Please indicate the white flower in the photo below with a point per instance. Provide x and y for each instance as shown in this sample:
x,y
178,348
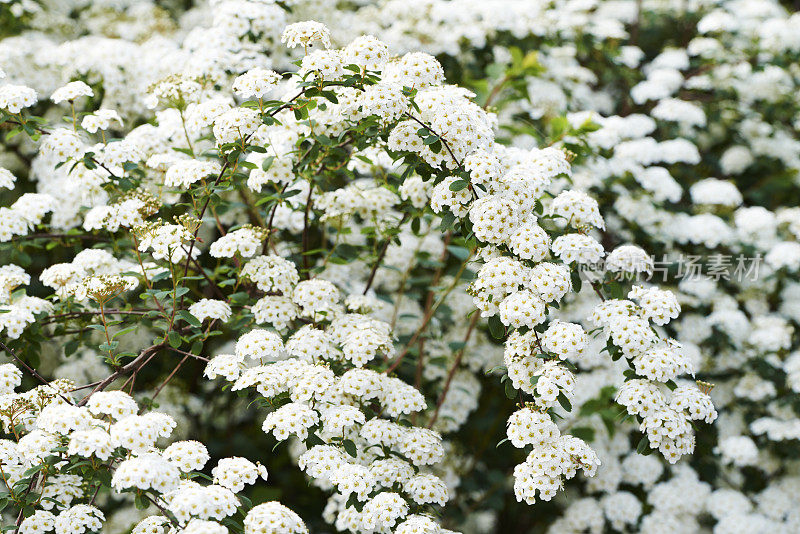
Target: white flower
x,y
211,309
71,91
273,518
14,98
305,33
256,83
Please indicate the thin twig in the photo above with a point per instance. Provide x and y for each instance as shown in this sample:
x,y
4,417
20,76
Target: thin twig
x,y
130,367
380,257
496,91
88,237
171,375
443,140
202,271
272,219
76,314
27,367
452,372
305,229
428,316
196,356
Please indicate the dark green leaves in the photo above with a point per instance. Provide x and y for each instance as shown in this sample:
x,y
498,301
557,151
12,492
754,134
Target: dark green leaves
x,y
584,433
509,389
458,185
496,327
459,252
564,401
350,448
575,277
174,339
189,318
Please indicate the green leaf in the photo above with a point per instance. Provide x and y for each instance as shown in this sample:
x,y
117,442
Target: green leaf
x,y
575,277
415,225
558,126
615,290
267,163
161,276
189,318
353,502
629,374
330,95
108,347
239,297
347,251
248,504
511,393
589,126
141,502
181,291
459,252
174,339
564,402
458,185
583,432
350,448
448,219
125,331
496,327
71,346
313,439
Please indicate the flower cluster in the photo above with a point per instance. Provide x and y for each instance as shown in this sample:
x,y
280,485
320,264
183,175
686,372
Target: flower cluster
x,y
309,214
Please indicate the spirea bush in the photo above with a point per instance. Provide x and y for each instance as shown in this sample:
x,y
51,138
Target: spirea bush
x,y
409,267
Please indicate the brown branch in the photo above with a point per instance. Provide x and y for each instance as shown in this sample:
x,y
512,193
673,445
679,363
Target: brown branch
x,y
380,257
443,140
76,314
196,356
496,91
378,262
88,237
222,171
30,369
170,377
163,511
430,312
202,271
306,266
272,219
452,372
21,514
133,366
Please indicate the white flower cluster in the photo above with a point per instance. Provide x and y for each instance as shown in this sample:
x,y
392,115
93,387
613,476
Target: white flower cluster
x,y
553,456
309,245
92,274
18,310
360,455
107,428
24,214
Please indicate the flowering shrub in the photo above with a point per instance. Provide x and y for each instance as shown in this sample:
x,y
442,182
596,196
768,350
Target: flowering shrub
x,y
423,244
